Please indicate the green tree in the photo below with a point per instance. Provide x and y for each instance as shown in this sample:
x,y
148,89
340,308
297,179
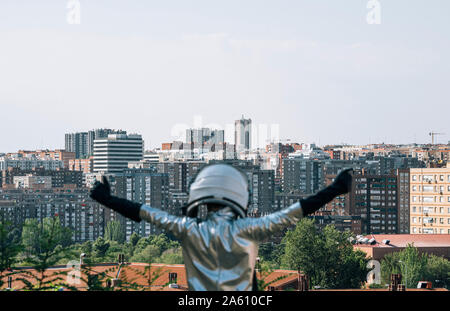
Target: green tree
x,y
171,256
114,232
116,248
438,271
409,262
87,248
134,238
44,243
161,241
9,247
327,256
389,265
414,265
100,247
147,255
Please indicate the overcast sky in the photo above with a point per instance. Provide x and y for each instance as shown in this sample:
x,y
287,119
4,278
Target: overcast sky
x,y
315,68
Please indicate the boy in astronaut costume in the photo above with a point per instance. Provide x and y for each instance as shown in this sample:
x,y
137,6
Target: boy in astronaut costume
x,y
220,252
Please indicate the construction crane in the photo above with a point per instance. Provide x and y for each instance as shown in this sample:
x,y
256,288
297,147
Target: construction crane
x,y
432,134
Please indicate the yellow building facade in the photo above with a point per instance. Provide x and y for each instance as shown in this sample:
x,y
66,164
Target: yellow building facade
x,y
430,200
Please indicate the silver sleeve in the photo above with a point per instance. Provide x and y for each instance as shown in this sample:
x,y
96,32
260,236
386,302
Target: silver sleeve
x,y
176,225
261,228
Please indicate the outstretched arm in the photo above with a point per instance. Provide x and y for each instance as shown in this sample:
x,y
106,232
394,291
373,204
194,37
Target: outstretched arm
x,y
137,212
341,185
263,227
101,192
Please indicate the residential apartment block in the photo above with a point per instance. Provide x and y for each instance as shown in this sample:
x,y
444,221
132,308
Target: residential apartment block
x,y
72,206
145,186
375,199
430,200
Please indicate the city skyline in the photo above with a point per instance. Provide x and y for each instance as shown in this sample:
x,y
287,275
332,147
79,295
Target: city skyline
x,y
318,70
263,137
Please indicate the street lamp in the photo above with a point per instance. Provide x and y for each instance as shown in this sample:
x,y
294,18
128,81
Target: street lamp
x,y
406,273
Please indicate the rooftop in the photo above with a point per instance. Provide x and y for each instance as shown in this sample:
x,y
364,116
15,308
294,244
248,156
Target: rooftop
x,y
154,279
402,240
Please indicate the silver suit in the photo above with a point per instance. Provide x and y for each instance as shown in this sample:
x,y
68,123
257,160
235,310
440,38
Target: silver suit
x,y
220,252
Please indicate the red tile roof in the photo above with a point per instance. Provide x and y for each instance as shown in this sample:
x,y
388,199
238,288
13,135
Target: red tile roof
x,y
155,278
137,274
57,275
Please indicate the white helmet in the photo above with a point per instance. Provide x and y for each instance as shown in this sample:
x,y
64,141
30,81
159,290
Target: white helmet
x,y
219,184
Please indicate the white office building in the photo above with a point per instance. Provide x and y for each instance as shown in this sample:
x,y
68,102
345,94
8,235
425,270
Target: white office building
x,y
112,154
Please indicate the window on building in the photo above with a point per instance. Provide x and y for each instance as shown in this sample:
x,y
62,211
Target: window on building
x,y
427,178
428,230
428,199
428,189
427,209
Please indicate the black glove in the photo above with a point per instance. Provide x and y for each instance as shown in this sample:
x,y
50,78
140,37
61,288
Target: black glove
x,y
343,181
341,185
101,192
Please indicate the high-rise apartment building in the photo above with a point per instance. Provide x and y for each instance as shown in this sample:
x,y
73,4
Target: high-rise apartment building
x,y
430,200
145,186
304,175
262,183
403,180
243,134
77,143
375,199
82,143
112,154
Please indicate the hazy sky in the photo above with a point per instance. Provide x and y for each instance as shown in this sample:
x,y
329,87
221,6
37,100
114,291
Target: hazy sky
x,y
316,68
